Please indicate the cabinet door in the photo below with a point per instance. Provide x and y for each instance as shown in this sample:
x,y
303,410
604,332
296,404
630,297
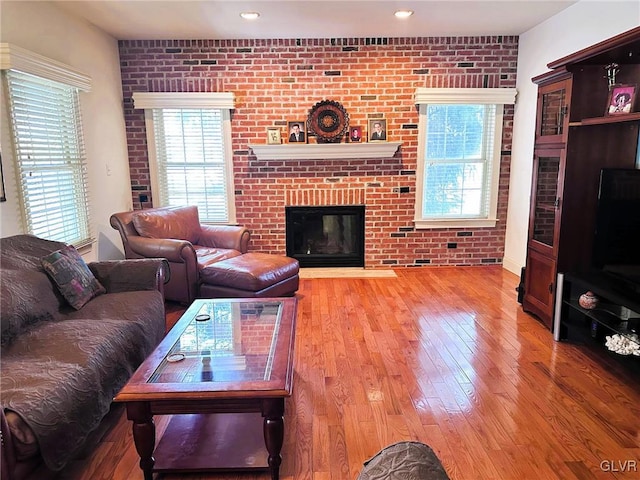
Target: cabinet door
x,y
552,116
539,289
546,200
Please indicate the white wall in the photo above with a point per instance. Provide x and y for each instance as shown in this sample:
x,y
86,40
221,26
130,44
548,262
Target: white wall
x,y
43,28
573,29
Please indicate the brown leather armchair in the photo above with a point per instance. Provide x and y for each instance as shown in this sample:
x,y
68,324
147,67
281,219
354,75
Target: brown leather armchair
x,y
175,233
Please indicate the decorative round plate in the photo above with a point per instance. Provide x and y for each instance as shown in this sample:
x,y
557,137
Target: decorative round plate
x,y
329,121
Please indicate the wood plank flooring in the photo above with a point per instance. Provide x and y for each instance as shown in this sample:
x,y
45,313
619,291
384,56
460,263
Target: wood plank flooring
x,y
441,355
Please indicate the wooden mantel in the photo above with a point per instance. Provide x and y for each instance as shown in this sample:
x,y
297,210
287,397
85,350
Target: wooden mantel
x,y
325,151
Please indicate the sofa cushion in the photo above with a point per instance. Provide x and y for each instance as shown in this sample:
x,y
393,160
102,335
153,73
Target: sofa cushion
x,y
207,255
60,377
72,276
27,294
27,297
181,223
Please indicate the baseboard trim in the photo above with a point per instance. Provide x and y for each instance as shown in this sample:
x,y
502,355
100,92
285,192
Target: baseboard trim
x,y
512,265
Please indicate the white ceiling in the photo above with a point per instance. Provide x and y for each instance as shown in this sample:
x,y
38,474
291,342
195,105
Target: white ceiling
x,y
220,19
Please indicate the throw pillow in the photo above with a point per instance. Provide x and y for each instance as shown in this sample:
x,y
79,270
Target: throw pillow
x,y
72,276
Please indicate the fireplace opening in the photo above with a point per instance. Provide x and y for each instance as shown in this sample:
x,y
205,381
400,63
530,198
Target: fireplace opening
x,y
330,236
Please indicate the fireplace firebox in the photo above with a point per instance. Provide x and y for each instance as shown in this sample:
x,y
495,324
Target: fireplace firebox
x,y
331,236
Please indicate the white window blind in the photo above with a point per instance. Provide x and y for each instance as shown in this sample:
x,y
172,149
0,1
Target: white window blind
x,y
190,156
50,157
458,161
459,141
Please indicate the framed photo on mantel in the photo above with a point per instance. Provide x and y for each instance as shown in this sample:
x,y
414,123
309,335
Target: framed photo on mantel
x,y
620,99
355,134
378,130
273,136
296,132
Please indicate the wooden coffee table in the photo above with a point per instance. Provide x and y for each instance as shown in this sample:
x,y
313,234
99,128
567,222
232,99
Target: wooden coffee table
x,y
223,372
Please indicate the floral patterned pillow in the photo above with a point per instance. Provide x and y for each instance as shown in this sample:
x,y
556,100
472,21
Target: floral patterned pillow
x,y
72,276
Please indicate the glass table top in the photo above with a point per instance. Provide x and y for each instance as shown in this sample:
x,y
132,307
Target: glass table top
x,y
223,340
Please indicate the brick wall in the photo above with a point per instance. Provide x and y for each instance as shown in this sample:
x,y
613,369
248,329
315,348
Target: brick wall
x,y
276,81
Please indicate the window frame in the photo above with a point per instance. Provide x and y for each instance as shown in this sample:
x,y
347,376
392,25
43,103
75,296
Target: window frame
x,y
223,101
461,96
25,62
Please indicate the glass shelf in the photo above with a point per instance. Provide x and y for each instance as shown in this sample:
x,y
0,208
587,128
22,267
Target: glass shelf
x,y
605,315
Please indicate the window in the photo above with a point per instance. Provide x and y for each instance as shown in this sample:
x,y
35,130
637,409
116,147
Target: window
x,y
190,157
460,135
48,147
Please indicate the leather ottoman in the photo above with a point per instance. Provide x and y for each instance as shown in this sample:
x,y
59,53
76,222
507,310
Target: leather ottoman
x,y
250,275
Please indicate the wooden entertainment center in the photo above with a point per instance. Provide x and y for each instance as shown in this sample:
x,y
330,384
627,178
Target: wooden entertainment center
x,y
575,138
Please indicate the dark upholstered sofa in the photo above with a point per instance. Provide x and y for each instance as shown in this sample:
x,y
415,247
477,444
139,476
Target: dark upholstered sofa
x,y
207,261
61,367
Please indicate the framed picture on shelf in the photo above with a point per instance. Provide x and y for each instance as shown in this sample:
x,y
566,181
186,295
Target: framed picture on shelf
x,y
377,130
620,99
355,134
296,132
273,136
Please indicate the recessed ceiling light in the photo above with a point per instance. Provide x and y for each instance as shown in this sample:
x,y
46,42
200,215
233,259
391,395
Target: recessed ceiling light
x,y
403,13
249,15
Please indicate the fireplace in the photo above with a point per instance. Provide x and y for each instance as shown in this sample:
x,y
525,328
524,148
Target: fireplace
x,y
330,236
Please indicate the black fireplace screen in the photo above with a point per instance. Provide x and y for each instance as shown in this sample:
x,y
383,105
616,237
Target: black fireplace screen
x,y
326,236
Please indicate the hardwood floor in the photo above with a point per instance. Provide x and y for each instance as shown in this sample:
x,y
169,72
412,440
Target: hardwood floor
x,y
445,356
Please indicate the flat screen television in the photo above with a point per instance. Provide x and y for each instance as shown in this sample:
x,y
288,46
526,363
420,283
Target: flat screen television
x,y
617,236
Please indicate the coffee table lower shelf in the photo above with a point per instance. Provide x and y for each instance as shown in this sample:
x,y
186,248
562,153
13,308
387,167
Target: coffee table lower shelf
x,y
212,442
